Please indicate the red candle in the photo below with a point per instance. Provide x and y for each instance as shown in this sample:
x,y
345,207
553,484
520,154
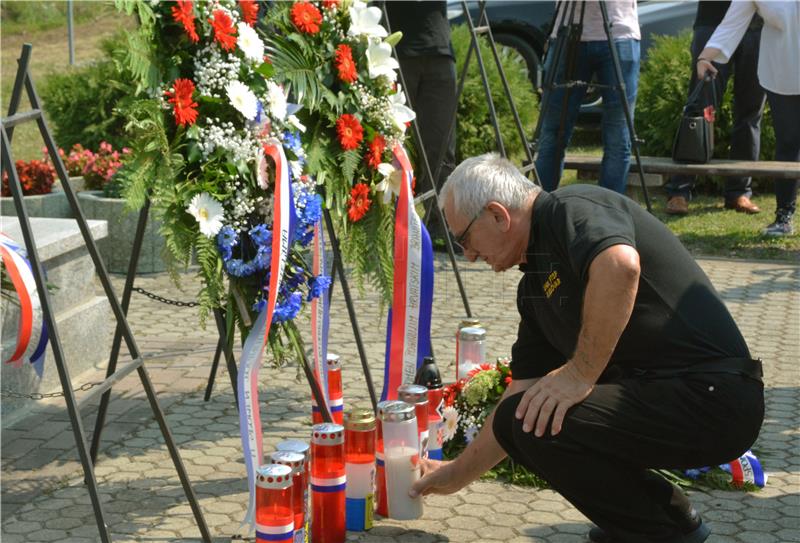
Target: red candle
x,y
274,510
297,462
327,483
417,395
359,452
334,393
301,447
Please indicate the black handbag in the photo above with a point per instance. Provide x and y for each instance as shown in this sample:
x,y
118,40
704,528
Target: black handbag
x,y
694,141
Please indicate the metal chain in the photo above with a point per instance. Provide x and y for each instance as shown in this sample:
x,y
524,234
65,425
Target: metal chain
x,y
163,300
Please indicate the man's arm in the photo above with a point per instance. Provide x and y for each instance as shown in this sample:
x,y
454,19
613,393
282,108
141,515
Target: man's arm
x,y
607,307
481,455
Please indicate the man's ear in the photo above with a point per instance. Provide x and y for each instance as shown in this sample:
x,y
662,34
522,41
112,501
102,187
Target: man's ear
x,y
500,216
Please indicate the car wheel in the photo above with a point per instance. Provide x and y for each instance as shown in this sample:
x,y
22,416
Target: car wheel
x,y
525,50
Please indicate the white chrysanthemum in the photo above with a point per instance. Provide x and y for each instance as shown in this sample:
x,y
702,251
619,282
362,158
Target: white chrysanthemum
x,y
249,42
365,21
450,423
380,61
276,101
390,185
243,99
208,213
401,114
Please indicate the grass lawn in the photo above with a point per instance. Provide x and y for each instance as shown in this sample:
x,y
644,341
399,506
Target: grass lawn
x,y
44,25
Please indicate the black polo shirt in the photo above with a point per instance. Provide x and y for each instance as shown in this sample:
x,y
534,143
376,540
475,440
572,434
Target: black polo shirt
x,y
678,318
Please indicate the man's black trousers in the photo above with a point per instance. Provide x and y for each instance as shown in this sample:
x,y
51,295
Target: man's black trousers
x,y
600,459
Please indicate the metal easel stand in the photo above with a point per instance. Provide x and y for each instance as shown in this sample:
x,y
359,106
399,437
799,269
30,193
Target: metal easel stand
x,y
137,362
565,47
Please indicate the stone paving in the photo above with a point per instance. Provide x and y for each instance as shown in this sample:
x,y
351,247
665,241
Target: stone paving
x,y
44,499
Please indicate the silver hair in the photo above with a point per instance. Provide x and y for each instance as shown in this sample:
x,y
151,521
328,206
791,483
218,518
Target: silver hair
x,y
485,178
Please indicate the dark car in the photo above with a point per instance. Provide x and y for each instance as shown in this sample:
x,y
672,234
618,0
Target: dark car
x,y
524,26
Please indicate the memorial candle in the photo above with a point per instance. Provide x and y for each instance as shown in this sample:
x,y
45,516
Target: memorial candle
x,y
359,453
327,484
335,393
274,511
297,462
417,395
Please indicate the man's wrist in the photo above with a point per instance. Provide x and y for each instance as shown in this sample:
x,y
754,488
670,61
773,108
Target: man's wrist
x,y
699,60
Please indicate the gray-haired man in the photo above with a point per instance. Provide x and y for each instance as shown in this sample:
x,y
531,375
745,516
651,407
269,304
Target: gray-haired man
x,y
626,358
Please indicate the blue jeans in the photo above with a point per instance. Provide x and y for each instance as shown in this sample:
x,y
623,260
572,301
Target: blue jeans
x,y
593,58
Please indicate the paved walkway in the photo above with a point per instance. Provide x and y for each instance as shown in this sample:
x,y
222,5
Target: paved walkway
x,y
43,498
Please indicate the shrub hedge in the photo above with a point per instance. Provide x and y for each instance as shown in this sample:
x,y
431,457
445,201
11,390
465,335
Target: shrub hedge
x,y
662,94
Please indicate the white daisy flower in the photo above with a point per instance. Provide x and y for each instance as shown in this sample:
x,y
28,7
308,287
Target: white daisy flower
x,y
243,99
365,21
208,213
380,61
450,423
276,101
392,178
249,42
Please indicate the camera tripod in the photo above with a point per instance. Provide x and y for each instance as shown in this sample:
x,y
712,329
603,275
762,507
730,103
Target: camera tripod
x,y
568,19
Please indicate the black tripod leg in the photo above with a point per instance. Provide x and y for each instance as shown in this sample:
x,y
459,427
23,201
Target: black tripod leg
x,y
214,365
233,371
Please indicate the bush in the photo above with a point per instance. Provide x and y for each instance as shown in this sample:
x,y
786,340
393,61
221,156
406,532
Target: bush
x,y
475,134
36,177
82,103
662,95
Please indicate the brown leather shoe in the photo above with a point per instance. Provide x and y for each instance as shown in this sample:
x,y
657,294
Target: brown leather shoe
x,y
742,204
677,205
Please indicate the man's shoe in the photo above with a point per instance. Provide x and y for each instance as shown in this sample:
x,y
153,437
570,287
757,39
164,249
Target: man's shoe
x,y
742,204
782,225
677,205
699,534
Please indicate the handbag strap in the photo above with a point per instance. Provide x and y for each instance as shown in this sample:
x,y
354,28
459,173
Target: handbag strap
x,y
700,87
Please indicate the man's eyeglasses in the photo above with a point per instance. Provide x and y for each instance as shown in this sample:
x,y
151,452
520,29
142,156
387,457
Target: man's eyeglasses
x,y
461,240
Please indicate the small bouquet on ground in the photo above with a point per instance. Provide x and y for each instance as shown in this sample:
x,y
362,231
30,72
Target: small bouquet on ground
x,y
467,404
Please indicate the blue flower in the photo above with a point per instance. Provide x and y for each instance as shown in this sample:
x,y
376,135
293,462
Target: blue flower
x,y
261,235
317,286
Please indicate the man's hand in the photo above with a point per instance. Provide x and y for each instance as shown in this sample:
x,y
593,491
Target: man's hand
x,y
438,477
552,395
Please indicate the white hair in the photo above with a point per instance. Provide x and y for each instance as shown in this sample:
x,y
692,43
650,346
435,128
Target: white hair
x,y
485,178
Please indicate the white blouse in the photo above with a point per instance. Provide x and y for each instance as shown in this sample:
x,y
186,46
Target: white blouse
x,y
779,53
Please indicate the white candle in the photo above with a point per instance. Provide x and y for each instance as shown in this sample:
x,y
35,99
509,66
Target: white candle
x,y
402,470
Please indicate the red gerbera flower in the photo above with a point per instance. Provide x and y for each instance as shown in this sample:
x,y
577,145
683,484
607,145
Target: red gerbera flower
x,y
249,11
359,202
181,98
345,66
306,17
224,32
349,131
183,13
330,4
375,151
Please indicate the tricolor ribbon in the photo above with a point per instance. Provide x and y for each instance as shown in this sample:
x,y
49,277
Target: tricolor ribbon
x,y
746,469
320,317
31,340
253,350
408,331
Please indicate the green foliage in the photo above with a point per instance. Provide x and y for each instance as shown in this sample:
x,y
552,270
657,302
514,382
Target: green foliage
x,y
474,134
294,63
43,15
662,95
369,252
83,103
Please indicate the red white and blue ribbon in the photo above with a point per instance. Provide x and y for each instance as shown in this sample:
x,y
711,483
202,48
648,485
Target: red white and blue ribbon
x,y
31,340
320,317
266,533
408,331
746,469
253,350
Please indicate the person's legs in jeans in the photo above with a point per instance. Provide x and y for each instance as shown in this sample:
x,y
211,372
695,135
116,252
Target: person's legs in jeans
x,y
615,133
551,145
682,185
786,121
748,107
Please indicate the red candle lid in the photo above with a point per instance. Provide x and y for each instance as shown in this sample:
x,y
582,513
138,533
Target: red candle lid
x,y
333,361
